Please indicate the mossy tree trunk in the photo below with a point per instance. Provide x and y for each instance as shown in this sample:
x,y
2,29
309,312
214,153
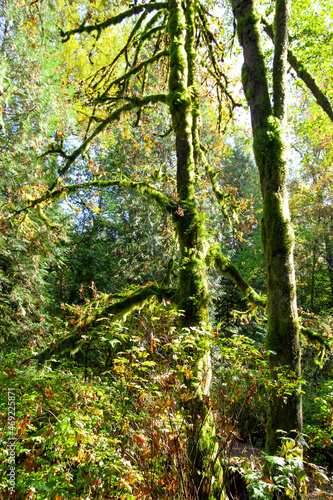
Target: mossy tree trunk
x,y
268,121
205,473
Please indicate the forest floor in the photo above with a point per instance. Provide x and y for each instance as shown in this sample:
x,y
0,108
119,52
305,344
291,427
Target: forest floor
x,y
317,489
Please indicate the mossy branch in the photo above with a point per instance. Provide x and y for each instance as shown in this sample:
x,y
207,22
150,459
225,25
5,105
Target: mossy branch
x,y
149,30
112,21
102,73
304,75
136,70
146,189
227,268
116,310
222,198
319,340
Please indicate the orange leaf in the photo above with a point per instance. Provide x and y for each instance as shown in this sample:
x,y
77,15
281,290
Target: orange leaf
x,y
141,440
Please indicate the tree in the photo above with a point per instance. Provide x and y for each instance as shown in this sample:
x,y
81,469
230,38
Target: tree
x,y
174,40
268,123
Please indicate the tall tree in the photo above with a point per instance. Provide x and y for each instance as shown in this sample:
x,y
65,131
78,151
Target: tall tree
x,y
268,123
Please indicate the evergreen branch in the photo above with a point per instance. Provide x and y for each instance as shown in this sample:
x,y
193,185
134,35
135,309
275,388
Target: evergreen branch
x,y
304,75
227,268
112,21
117,310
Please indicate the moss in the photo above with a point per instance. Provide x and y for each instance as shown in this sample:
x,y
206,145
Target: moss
x,y
117,310
227,268
278,235
202,440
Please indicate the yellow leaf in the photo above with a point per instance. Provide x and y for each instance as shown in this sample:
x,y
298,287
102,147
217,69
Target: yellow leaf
x,y
289,493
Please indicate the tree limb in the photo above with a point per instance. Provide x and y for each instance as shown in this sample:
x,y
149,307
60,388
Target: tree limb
x,y
117,310
135,70
145,188
227,268
149,7
304,75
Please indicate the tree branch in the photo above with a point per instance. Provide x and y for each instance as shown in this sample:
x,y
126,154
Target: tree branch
x,y
304,75
227,268
117,310
135,70
144,187
167,204
149,7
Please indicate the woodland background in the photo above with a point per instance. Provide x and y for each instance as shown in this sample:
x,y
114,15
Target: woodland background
x,y
104,415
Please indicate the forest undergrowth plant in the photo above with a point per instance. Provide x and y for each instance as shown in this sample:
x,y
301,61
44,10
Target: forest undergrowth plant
x,y
284,475
117,428
238,390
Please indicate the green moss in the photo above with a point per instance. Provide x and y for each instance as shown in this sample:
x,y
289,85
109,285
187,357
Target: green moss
x,y
227,268
277,231
203,438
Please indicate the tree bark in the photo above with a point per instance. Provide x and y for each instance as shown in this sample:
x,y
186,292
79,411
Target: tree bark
x,y
329,260
205,472
282,339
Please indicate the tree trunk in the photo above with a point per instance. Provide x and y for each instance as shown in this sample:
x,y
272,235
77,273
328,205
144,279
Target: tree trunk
x,y
313,275
205,473
329,260
282,339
